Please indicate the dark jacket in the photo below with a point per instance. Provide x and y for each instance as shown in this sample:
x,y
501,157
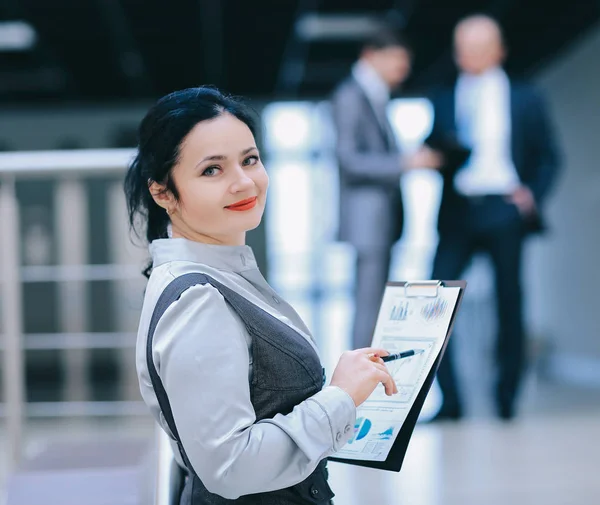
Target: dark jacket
x,y
534,151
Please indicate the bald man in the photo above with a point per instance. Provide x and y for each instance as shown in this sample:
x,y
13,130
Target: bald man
x,y
494,200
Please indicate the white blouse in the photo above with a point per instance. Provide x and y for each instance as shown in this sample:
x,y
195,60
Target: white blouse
x,y
202,354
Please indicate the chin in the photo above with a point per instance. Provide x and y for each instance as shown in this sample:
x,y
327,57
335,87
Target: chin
x,y
250,223
254,225
246,221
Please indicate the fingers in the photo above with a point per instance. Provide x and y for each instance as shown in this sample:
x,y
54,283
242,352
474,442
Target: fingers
x,y
375,358
373,350
523,203
388,383
386,379
382,368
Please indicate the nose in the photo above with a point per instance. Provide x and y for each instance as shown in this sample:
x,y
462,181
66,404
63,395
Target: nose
x,y
242,182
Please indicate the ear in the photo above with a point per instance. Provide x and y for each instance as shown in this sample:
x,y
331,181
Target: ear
x,y
161,195
504,53
366,53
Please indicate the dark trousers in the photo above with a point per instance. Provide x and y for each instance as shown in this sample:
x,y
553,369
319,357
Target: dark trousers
x,y
372,270
503,243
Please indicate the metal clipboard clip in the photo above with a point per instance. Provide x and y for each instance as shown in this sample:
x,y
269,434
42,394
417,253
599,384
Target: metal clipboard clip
x,y
422,289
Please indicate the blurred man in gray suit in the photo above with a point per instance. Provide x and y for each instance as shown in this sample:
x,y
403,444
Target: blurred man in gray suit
x,y
370,166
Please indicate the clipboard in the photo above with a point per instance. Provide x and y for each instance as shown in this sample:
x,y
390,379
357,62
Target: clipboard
x,y
397,453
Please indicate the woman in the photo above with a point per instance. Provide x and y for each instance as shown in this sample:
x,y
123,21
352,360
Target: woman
x,y
226,366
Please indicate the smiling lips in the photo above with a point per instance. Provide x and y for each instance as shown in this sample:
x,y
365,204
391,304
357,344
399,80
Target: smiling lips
x,y
246,204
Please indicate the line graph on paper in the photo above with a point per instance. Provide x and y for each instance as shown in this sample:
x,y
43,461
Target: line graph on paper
x,y
407,371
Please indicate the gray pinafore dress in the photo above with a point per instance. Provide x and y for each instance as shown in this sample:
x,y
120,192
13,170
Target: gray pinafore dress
x,y
285,371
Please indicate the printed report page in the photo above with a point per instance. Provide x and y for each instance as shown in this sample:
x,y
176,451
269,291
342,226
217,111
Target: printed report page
x,y
404,323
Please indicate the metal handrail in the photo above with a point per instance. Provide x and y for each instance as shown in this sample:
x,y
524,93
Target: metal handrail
x,y
38,164
88,162
66,273
83,409
11,313
169,477
85,340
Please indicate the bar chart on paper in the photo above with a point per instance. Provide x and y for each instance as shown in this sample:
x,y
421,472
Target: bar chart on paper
x,y
399,311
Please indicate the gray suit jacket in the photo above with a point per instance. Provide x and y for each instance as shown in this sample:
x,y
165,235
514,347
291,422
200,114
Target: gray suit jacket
x,y
369,168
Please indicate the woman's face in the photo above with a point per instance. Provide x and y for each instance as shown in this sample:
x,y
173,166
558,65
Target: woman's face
x,y
221,181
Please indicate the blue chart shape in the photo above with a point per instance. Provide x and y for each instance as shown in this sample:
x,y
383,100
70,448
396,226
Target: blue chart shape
x,y
386,435
364,429
361,429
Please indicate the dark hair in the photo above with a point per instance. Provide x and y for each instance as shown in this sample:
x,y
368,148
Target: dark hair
x,y
160,136
387,37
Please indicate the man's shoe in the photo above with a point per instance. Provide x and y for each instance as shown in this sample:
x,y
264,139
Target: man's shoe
x,y
505,412
447,414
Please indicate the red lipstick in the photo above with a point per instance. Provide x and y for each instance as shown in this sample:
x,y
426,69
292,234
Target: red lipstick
x,y
247,204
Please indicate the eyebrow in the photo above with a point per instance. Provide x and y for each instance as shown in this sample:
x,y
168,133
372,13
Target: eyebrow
x,y
221,157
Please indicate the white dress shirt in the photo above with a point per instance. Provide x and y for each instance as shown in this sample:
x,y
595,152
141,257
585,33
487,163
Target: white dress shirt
x,y
483,107
372,84
202,354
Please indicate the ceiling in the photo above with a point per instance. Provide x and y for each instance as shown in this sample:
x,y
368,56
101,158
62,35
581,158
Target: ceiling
x,y
101,51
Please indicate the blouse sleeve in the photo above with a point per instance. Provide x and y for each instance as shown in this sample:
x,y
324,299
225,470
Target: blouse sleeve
x,y
202,357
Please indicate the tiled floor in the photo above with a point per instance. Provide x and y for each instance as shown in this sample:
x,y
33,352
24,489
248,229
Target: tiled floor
x,y
551,461
39,434
549,455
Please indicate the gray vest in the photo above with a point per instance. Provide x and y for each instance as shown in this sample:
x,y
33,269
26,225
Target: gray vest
x,y
285,371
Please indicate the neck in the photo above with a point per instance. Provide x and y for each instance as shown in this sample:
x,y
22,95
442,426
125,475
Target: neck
x,y
231,240
485,70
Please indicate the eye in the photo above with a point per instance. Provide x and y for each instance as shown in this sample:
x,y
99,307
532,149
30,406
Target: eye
x,y
210,171
251,160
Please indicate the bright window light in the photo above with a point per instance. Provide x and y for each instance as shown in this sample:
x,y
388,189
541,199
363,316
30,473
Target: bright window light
x,y
421,192
412,119
16,36
333,336
288,126
290,271
319,26
289,219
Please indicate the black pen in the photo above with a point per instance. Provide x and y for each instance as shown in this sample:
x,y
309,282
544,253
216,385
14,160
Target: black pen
x,y
403,354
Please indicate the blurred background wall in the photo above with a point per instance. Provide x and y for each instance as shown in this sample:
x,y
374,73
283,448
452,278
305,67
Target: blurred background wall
x,y
568,256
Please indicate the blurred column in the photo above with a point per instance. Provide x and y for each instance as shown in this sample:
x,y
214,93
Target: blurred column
x,y
72,232
14,394
127,292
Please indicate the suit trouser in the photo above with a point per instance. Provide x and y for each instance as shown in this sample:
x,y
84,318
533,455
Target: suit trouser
x,y
504,246
372,270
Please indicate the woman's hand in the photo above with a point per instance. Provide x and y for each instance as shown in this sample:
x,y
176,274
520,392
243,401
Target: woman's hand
x,y
359,372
